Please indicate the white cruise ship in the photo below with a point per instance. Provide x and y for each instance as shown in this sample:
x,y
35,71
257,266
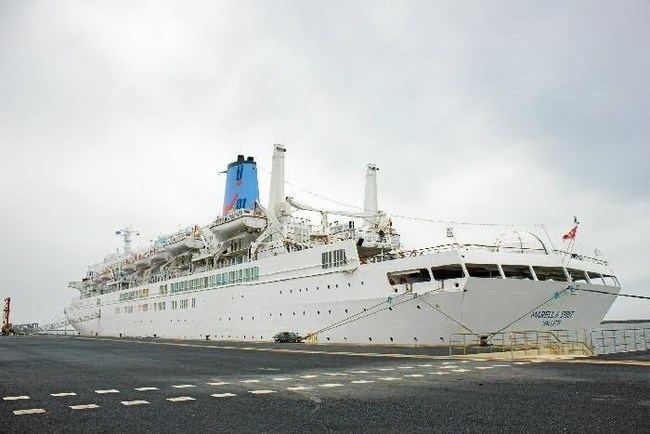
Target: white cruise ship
x,y
257,271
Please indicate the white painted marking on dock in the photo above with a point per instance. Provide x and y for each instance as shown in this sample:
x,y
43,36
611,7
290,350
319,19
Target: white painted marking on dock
x,y
15,398
294,388
464,361
336,374
405,367
219,383
29,411
281,379
500,366
448,363
439,373
146,388
84,406
359,372
483,367
181,399
521,363
413,375
102,391
361,381
223,395
460,370
331,385
268,369
135,402
249,381
386,369
63,394
388,378
308,376
425,365
183,386
449,367
261,391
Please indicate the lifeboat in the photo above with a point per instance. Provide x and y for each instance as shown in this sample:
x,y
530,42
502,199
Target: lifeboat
x,y
242,220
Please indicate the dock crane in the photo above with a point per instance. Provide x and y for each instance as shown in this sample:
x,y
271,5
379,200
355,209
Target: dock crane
x,y
7,329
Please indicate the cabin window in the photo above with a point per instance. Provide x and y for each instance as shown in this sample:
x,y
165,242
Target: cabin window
x,y
490,271
577,275
604,279
444,272
334,258
409,276
610,280
517,272
550,273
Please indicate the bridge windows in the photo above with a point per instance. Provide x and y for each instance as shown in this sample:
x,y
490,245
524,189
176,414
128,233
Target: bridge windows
x,y
578,276
333,258
517,272
550,273
445,272
490,271
409,276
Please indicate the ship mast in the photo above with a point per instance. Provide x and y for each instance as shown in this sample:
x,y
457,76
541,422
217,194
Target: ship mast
x,y
127,236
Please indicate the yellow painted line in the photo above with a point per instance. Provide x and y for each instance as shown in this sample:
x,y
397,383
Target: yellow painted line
x,y
277,350
29,411
610,362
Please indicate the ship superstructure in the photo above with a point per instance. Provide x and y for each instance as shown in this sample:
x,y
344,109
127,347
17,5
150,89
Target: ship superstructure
x,y
256,271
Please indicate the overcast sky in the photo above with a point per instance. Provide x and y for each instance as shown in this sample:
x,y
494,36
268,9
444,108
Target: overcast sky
x,y
124,112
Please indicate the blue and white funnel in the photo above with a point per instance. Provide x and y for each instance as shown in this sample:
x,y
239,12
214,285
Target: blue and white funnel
x,y
242,190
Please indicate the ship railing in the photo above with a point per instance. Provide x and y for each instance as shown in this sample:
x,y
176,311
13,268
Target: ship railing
x,y
610,341
523,343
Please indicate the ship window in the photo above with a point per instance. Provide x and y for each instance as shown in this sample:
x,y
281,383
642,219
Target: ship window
x,y
550,273
577,275
409,276
517,272
444,272
334,258
483,270
610,280
193,302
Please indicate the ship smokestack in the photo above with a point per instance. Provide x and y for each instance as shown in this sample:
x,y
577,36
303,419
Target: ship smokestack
x,y
242,190
370,192
276,193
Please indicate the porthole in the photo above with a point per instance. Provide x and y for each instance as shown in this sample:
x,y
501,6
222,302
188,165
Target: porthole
x,y
253,318
328,286
362,282
242,318
329,311
318,287
318,312
346,311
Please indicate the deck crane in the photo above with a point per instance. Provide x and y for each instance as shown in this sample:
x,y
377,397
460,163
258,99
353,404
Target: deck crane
x,y
7,329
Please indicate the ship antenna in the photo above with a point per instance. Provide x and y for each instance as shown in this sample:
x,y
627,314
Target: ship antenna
x,y
127,235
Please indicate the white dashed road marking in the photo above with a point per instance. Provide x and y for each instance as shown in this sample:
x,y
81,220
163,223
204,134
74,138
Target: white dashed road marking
x,y
294,388
449,367
483,367
223,395
180,399
361,381
261,391
388,378
220,383
500,366
521,363
331,385
63,394
249,381
29,411
84,406
460,370
425,365
308,376
360,372
281,379
386,369
144,389
413,375
136,402
107,391
405,367
15,398
439,373
183,386
336,374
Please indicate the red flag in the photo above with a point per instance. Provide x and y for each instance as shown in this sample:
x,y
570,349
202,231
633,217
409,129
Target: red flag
x,y
571,235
